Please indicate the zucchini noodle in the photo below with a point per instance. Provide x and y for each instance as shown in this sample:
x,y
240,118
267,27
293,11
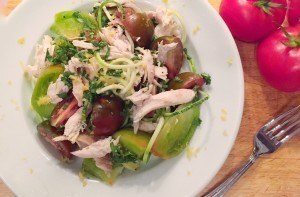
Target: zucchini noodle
x,y
130,84
179,17
112,66
110,18
159,126
110,87
130,40
104,3
111,80
189,106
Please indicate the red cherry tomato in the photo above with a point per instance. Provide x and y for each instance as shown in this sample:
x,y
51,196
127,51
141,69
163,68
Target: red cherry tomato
x,y
294,12
138,25
278,59
174,60
253,20
48,133
107,115
63,111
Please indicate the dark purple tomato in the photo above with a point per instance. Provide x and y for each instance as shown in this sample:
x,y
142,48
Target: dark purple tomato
x,y
107,115
174,60
63,111
49,132
187,80
138,25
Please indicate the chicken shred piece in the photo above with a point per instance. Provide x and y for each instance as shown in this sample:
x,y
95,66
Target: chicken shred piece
x,y
97,149
91,69
148,127
161,72
73,65
161,100
104,163
120,45
138,97
149,64
167,26
163,50
40,63
83,45
55,89
72,127
84,140
78,89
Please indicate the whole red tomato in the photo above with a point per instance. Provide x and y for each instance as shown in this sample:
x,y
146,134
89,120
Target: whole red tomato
x,y
294,12
278,59
253,20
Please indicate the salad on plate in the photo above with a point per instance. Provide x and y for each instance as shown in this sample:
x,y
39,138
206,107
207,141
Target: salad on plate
x,y
109,87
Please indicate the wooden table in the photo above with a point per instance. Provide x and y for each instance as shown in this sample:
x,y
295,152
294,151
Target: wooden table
x,y
274,175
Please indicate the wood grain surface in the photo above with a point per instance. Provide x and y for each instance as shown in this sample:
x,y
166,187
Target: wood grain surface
x,y
272,175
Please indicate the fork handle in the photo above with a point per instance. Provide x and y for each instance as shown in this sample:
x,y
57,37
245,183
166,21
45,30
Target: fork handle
x,y
228,183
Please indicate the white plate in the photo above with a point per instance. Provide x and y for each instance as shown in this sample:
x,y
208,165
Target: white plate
x,y
30,168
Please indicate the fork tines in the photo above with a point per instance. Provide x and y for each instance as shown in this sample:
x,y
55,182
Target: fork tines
x,y
283,127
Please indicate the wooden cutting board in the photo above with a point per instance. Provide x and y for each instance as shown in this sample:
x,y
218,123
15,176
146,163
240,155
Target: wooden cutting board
x,y
273,175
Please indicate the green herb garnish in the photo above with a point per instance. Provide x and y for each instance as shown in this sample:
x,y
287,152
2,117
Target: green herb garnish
x,y
87,24
115,73
207,78
120,156
63,52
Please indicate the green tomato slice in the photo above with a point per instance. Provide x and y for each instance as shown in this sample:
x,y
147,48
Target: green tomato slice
x,y
135,143
67,25
90,170
40,90
176,133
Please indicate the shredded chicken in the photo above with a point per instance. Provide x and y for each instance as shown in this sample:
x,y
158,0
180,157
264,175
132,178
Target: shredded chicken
x,y
161,72
167,26
40,63
55,89
147,126
120,45
161,100
91,69
149,64
78,89
104,163
83,45
163,50
137,98
72,128
97,149
84,140
74,64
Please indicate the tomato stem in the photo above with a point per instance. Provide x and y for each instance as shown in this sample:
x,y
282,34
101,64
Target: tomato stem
x,y
293,41
265,5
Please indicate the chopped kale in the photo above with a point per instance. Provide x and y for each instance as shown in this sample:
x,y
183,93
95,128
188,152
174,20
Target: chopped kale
x,y
190,60
120,156
81,55
164,86
63,51
87,24
89,96
177,79
66,79
115,73
101,45
63,95
207,78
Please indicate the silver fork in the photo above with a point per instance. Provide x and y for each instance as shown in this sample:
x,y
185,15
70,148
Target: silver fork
x,y
267,140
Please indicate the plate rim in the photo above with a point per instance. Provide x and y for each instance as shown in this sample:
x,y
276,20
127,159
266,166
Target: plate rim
x,y
5,21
